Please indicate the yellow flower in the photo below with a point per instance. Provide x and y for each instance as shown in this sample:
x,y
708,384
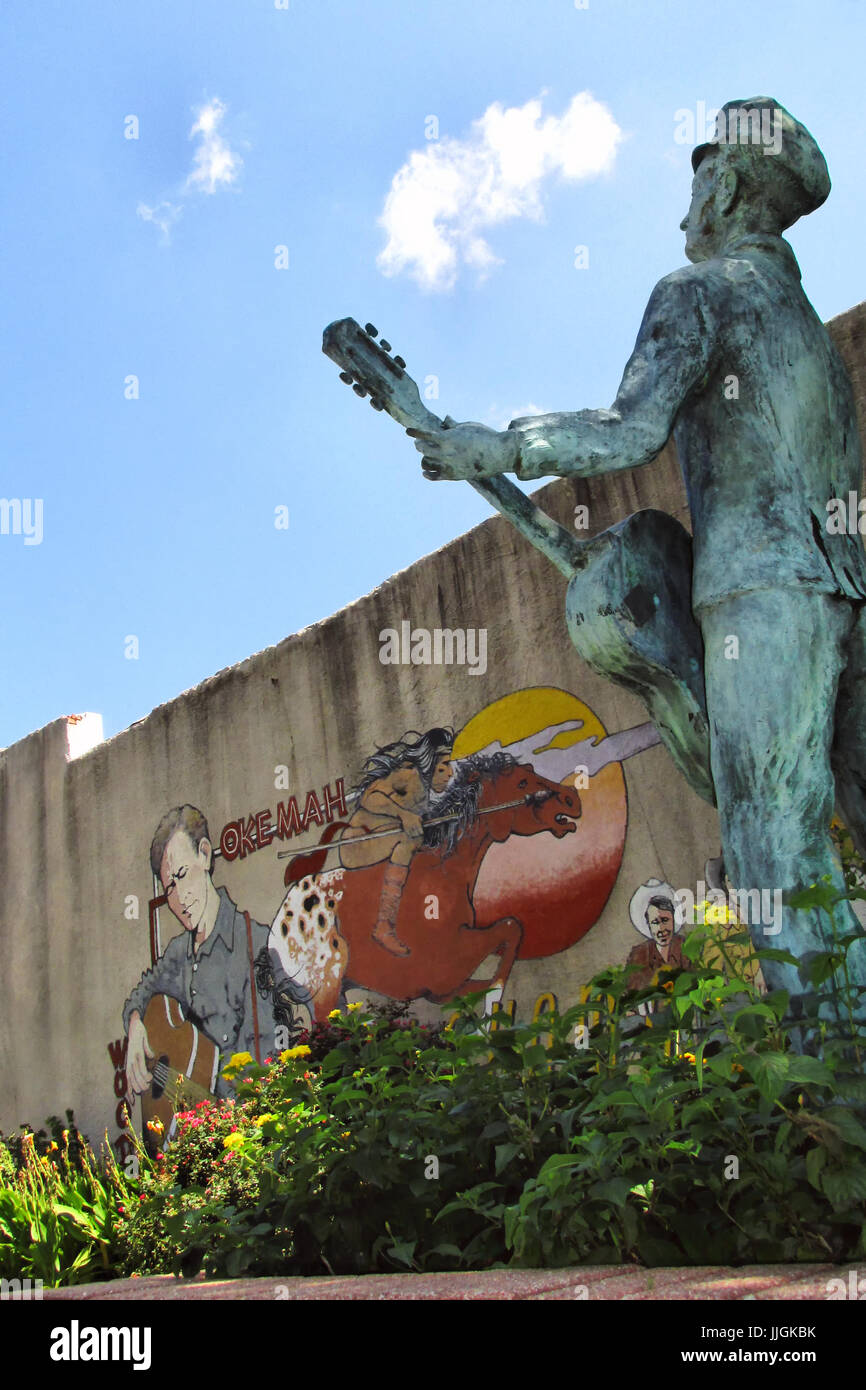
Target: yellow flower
x,y
735,1066
240,1059
346,1134
335,1013
292,1052
353,1008
688,1057
668,986
156,1126
648,1022
263,1119
233,1141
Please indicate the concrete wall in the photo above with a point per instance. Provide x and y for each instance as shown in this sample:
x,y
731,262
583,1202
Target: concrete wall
x,y
76,826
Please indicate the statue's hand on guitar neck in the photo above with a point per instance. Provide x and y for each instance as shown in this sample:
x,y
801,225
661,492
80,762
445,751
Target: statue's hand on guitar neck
x,y
469,451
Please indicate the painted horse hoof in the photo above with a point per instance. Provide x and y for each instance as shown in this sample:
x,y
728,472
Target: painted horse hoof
x,y
391,942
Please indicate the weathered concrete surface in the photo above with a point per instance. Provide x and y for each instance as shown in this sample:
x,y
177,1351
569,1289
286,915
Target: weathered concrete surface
x,y
75,830
595,1282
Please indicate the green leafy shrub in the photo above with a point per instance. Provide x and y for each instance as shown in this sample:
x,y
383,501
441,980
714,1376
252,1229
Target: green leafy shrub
x,y
686,1123
695,1134
58,1210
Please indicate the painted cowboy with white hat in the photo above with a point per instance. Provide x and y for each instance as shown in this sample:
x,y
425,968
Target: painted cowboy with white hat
x,y
656,914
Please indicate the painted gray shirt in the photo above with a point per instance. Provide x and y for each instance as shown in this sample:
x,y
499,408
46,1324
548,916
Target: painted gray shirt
x,y
732,360
213,984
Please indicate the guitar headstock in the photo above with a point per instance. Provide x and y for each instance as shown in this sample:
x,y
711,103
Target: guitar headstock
x,y
370,369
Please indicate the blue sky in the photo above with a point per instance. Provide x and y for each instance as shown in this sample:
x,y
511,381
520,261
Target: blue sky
x,y
307,127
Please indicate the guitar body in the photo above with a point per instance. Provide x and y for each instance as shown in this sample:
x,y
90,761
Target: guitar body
x,y
181,1049
629,614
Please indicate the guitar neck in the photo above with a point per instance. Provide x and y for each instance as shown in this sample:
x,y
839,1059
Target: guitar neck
x,y
559,545
369,365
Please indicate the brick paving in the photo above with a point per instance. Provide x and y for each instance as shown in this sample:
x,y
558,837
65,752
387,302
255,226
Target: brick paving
x,y
807,1282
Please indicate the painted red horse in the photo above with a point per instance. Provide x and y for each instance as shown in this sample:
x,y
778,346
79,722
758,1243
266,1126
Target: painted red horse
x,y
489,799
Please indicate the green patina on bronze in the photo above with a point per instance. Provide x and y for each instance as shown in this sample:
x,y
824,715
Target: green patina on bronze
x,y
733,362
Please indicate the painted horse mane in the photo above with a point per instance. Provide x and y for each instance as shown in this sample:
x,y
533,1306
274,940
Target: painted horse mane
x,y
461,798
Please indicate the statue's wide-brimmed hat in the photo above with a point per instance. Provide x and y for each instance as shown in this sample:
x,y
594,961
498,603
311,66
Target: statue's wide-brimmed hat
x,y
637,908
789,143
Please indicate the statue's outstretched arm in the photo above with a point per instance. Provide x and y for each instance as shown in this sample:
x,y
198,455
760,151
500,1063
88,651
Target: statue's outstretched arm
x,y
670,360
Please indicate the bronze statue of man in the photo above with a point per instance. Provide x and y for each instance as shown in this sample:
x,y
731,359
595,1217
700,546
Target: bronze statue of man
x,y
734,363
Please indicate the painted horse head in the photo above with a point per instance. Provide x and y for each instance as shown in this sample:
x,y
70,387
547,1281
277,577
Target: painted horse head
x,y
493,794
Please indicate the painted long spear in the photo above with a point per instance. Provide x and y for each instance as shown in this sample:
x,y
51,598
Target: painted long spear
x,y
531,797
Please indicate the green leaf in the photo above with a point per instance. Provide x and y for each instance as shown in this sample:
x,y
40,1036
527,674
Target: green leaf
x,y
557,1161
821,967
823,894
492,1130
754,1011
845,1123
769,1072
615,1190
504,1155
808,1070
777,953
845,1187
816,1159
403,1251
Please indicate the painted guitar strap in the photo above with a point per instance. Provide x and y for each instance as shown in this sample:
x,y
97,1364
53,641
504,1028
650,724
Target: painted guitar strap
x,y
253,991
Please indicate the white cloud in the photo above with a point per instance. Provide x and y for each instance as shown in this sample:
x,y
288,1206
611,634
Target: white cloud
x,y
445,196
215,165
162,215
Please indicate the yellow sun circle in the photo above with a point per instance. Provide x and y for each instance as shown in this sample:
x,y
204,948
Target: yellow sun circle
x,y
523,713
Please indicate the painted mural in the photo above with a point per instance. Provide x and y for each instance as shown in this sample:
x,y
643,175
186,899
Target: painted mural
x,y
446,859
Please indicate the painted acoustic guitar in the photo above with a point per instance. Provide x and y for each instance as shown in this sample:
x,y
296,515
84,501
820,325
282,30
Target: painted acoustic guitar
x,y
628,604
184,1067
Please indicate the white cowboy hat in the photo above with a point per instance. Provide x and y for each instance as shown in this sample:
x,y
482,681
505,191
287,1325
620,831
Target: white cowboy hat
x,y
637,908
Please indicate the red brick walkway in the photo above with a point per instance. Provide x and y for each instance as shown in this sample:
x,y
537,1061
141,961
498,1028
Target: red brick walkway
x,y
760,1282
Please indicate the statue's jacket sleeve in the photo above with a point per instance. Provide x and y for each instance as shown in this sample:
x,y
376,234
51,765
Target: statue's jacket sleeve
x,y
732,360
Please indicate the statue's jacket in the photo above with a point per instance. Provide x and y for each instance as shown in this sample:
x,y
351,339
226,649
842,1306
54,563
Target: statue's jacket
x,y
732,359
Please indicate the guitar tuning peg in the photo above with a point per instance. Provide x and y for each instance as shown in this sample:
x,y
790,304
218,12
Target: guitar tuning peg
x,y
359,390
398,361
383,344
373,332
377,405
347,377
